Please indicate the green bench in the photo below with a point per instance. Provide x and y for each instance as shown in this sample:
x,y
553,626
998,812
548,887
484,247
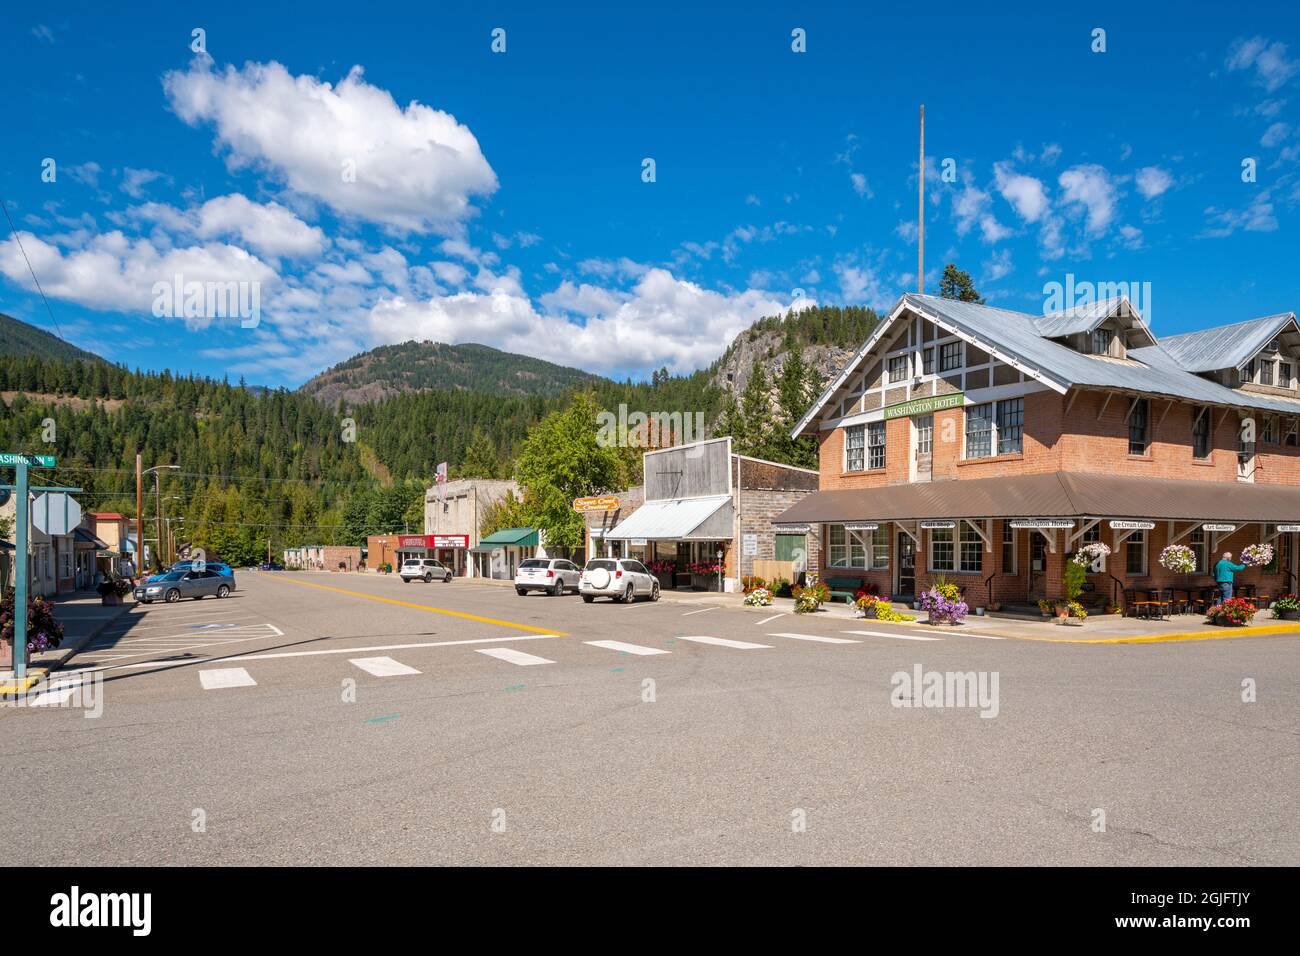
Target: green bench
x,y
845,588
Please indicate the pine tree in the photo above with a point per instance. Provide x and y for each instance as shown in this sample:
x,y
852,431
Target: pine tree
x,y
958,285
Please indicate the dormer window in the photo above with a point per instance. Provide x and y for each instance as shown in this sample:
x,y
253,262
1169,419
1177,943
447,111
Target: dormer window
x,y
1102,340
1247,371
1266,373
1284,374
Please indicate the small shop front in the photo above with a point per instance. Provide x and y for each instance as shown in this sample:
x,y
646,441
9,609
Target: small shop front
x,y
684,541
449,549
498,555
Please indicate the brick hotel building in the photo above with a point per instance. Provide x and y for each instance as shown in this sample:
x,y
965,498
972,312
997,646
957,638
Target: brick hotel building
x,y
987,446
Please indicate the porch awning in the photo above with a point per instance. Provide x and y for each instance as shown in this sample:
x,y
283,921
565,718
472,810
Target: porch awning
x,y
514,537
1055,495
85,541
669,519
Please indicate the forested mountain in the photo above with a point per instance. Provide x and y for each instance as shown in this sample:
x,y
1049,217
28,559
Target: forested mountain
x,y
21,338
419,366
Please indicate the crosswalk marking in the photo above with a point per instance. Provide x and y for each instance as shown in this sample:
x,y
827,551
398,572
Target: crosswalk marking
x,y
226,677
629,648
901,637
57,694
513,656
382,666
723,642
814,637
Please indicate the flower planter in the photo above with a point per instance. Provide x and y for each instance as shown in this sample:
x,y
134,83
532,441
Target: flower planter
x,y
6,654
110,600
1288,615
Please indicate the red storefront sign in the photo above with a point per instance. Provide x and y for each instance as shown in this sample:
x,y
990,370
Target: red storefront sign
x,y
433,541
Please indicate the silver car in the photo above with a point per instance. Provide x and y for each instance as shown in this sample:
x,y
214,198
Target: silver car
x,y
174,585
554,576
424,569
620,579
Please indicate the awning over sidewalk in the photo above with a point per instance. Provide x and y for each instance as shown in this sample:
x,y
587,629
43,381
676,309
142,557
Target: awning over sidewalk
x,y
672,519
85,541
1054,495
513,537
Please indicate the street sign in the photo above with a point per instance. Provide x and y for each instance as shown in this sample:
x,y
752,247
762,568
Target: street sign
x,y
31,461
55,513
596,503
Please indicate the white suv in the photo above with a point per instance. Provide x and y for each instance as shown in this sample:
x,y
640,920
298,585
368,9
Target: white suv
x,y
555,576
424,569
620,579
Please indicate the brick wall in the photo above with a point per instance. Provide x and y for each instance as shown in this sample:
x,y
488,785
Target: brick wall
x,y
757,509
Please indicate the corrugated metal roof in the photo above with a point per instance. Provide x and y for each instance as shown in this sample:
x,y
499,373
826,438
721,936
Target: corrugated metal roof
x,y
1053,495
519,536
666,520
1083,318
1150,370
1226,346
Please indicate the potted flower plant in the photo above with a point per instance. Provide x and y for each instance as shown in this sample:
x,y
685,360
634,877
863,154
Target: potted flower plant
x,y
944,605
810,598
44,631
1287,607
112,590
758,597
1234,612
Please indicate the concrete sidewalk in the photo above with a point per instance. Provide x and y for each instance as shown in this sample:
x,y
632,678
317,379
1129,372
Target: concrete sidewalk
x,y
83,616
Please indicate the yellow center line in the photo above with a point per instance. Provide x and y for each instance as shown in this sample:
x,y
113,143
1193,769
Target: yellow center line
x,y
1159,638
418,607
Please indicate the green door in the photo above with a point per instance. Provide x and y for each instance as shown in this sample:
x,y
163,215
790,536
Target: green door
x,y
788,545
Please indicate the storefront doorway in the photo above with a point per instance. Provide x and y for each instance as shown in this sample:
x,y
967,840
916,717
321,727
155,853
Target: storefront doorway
x,y
906,565
1037,569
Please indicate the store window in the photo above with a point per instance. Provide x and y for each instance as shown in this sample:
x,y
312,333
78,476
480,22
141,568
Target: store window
x,y
1200,547
1135,553
880,548
941,550
972,549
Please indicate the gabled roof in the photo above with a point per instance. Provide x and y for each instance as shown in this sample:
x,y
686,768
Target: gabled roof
x,y
1083,318
1226,346
1015,338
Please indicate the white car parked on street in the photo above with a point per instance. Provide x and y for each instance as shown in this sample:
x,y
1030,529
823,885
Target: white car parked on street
x,y
620,579
540,574
424,569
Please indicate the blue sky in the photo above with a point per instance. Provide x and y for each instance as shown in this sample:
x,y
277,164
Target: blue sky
x,y
499,197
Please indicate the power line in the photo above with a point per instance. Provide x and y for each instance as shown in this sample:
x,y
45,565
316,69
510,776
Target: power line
x,y
13,230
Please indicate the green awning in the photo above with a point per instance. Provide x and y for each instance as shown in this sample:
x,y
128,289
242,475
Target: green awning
x,y
519,537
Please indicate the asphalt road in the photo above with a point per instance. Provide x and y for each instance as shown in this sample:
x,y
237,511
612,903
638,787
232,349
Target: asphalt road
x,y
242,731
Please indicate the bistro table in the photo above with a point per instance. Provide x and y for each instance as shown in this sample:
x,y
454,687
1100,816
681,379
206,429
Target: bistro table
x,y
1196,593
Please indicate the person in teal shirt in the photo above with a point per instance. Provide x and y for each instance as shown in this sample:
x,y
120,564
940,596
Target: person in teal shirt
x,y
1223,572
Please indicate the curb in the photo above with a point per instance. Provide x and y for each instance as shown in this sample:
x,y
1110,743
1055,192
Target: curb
x,y
63,654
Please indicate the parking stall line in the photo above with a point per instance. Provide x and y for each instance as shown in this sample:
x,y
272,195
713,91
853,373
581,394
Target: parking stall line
x,y
513,656
814,637
897,637
768,619
223,677
724,642
702,610
627,648
382,666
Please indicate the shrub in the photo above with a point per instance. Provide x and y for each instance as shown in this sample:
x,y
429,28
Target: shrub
x,y
780,587
1075,577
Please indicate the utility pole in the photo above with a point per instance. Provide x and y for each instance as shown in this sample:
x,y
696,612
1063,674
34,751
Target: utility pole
x,y
920,215
139,518
157,516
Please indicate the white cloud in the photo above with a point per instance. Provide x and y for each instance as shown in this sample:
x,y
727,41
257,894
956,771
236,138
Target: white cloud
x,y
416,169
1091,187
1256,217
1274,135
115,273
1272,68
860,185
1025,193
134,180
661,321
42,32
271,229
861,285
1152,181
999,266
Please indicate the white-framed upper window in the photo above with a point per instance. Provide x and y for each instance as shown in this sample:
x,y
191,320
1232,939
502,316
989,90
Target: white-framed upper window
x,y
1266,372
875,444
1247,372
927,360
1101,341
950,355
854,447
898,368
1284,374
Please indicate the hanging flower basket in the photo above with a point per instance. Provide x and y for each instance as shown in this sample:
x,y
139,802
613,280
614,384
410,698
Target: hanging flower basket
x,y
1257,555
1178,558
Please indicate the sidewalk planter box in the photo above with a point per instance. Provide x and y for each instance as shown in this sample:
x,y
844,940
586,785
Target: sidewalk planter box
x,y
110,600
1288,615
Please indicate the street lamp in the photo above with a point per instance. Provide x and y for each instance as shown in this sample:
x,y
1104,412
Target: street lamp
x,y
719,570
